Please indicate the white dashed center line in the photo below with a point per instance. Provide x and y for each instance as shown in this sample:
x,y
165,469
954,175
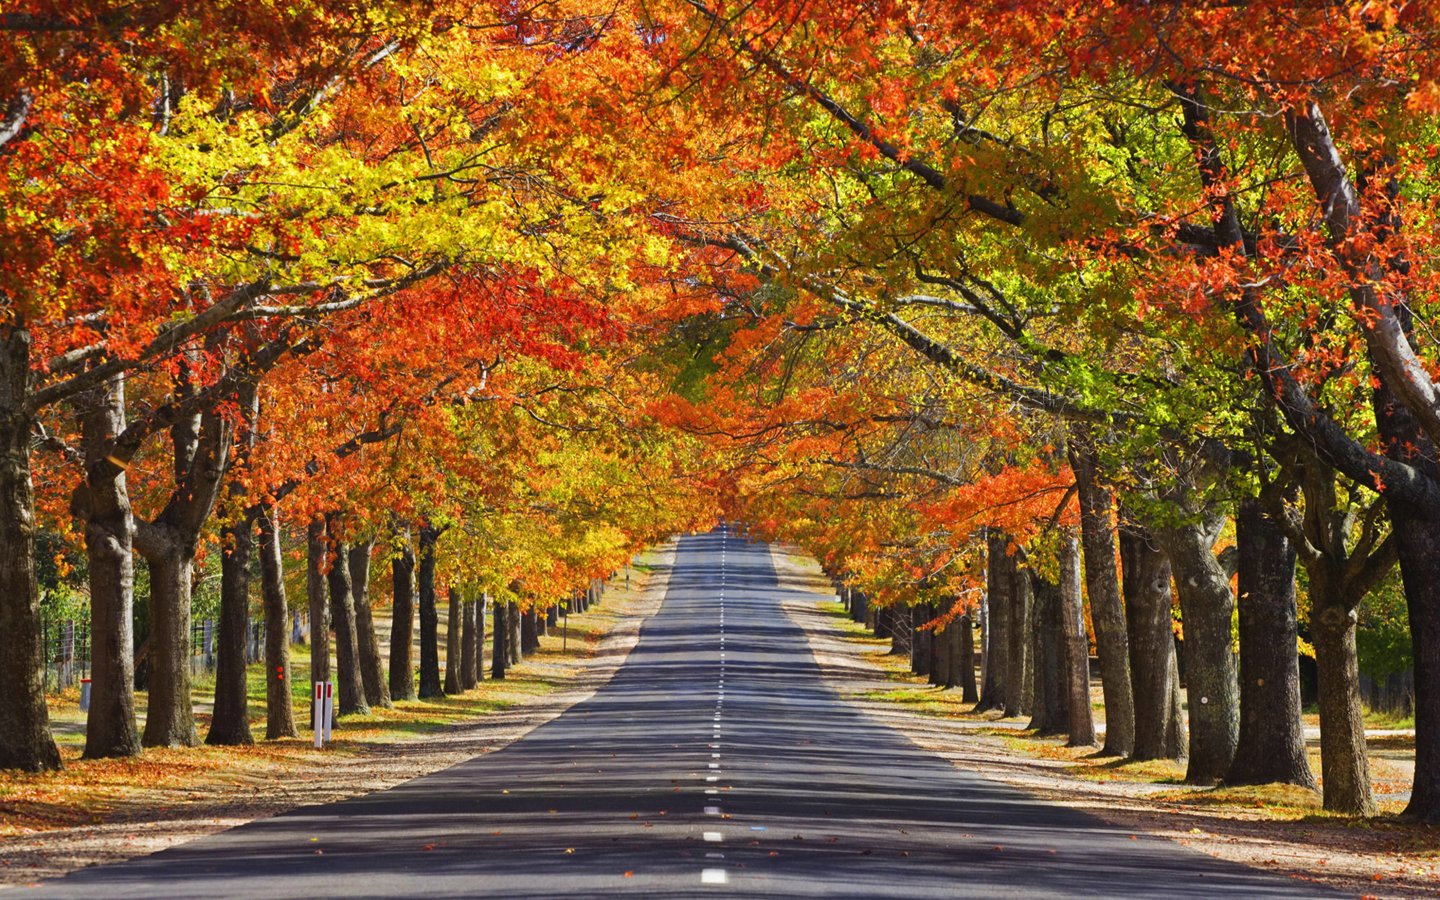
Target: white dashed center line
x,y
714,876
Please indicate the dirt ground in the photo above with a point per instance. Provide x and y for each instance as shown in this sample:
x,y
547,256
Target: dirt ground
x,y
166,798
1376,858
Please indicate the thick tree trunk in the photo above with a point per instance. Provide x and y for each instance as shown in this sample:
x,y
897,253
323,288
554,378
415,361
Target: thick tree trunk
x,y
372,666
1344,765
453,629
102,502
1000,586
402,623
1081,720
882,622
1417,542
529,633
469,667
1152,647
1021,662
965,659
500,653
1271,745
230,723
169,717
350,687
1107,610
1048,710
317,596
279,705
25,741
482,606
514,642
919,640
1206,607
429,617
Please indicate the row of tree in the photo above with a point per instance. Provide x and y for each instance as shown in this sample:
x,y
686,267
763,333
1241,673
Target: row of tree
x,y
1149,283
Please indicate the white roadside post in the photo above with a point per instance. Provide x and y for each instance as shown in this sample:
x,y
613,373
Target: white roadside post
x,y
329,708
318,714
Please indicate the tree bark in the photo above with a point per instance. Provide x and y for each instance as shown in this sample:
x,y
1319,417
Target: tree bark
x,y
102,503
469,667
1152,647
351,684
1271,743
1048,710
529,632
1107,610
919,640
500,653
372,666
402,624
513,643
169,719
965,643
279,705
1021,662
429,616
1206,607
25,741
453,629
1080,718
316,595
230,723
1000,581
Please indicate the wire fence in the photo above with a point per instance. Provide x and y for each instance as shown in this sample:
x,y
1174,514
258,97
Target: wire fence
x,y
67,653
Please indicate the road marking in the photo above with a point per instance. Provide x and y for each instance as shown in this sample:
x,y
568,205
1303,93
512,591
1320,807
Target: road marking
x,y
714,756
712,810
714,856
714,876
712,790
714,765
712,777
713,837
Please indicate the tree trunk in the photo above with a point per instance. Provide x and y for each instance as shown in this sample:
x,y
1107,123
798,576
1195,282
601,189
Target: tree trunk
x,y
919,640
513,642
1021,675
453,628
317,597
350,689
372,666
1048,712
102,502
1152,646
942,663
1206,607
1081,720
279,705
529,632
469,668
1417,542
25,741
1107,610
429,617
1344,765
500,653
965,643
1271,744
481,607
1000,586
169,718
402,624
230,723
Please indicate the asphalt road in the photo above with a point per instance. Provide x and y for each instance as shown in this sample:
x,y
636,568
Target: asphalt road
x,y
715,763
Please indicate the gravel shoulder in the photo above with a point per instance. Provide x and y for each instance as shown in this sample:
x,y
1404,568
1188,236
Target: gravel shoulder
x,y
1380,858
